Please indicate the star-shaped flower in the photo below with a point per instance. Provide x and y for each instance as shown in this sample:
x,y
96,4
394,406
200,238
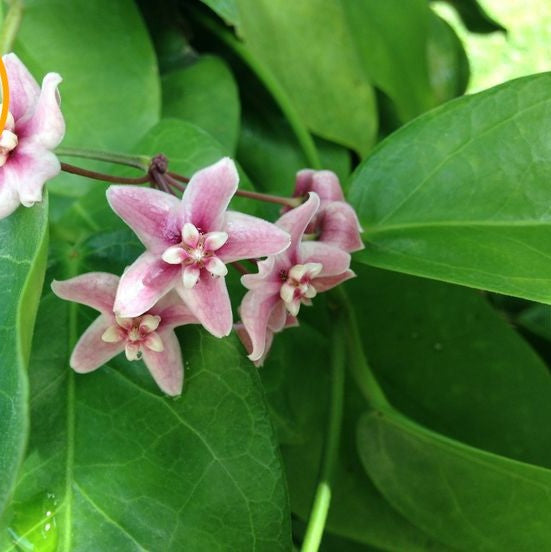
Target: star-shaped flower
x,y
287,280
149,336
189,243
34,127
336,221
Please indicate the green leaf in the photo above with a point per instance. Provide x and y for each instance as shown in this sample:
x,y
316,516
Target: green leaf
x,y
448,63
461,193
205,94
110,94
475,18
471,499
227,9
319,69
270,154
298,399
23,247
459,364
125,468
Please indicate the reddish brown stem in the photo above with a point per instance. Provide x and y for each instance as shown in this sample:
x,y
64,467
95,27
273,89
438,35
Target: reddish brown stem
x,y
102,176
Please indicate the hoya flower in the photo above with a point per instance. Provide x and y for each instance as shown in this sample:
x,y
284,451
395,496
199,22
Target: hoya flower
x,y
149,336
286,281
189,243
34,127
336,221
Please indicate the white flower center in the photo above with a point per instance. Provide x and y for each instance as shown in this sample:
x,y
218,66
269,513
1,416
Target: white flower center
x,y
196,252
298,287
8,139
138,333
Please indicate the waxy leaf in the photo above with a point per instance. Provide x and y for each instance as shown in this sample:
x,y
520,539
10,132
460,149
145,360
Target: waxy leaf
x,y
470,499
23,251
448,360
125,468
462,193
323,77
206,95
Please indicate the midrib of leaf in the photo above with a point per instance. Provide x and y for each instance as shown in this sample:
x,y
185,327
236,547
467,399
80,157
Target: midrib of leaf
x,y
382,229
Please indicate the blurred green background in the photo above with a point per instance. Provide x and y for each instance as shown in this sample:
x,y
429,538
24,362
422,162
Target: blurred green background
x,y
497,57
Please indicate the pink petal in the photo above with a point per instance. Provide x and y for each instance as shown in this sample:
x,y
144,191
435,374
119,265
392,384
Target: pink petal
x,y
340,226
296,221
9,199
278,317
94,289
46,125
166,367
333,259
143,284
27,169
267,278
210,303
208,194
325,183
152,214
246,340
173,311
24,90
91,351
251,237
255,311
327,282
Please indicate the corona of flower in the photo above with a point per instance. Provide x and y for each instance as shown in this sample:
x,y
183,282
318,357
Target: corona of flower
x,y
34,127
149,337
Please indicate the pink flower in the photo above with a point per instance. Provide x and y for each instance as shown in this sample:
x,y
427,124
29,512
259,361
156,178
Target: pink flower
x,y
149,336
189,243
34,127
290,279
336,221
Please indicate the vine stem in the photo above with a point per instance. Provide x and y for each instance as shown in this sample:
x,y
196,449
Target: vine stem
x,y
142,162
176,180
277,91
360,369
102,176
322,498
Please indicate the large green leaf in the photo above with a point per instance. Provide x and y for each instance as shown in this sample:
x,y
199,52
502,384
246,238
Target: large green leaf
x,y
117,466
110,94
460,369
23,247
471,499
309,49
461,194
205,94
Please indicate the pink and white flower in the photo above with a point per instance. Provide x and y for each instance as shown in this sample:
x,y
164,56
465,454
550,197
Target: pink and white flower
x,y
189,243
34,127
336,221
149,336
286,281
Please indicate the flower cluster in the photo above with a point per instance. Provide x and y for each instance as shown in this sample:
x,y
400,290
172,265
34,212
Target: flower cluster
x,y
180,277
